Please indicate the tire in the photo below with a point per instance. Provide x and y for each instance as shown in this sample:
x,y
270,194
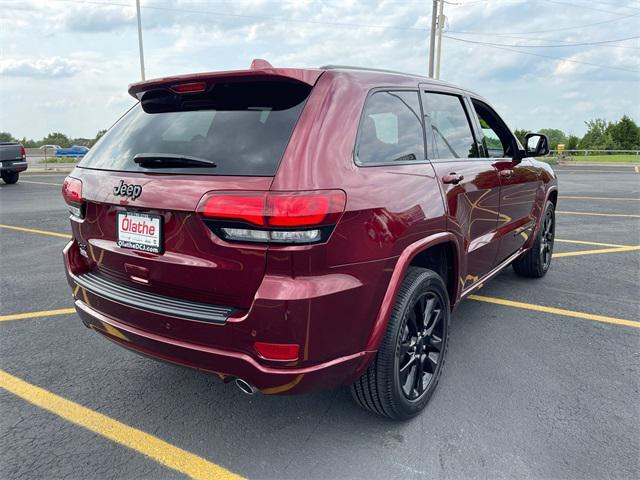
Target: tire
x,y
536,262
381,388
10,177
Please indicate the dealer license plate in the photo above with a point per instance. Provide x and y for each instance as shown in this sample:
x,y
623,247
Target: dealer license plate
x,y
140,231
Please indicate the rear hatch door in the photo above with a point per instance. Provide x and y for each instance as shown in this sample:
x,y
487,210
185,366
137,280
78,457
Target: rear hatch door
x,y
143,181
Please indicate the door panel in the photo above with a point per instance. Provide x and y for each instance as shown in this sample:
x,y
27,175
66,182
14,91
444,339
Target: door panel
x,y
518,187
472,213
518,180
470,184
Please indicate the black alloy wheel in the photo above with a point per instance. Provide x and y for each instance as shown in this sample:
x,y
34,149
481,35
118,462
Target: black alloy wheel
x,y
408,365
546,241
419,351
536,261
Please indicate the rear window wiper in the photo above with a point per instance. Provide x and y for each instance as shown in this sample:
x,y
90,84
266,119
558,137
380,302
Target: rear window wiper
x,y
171,160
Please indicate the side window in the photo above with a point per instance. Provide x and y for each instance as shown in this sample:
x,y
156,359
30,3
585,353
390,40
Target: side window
x,y
448,131
390,129
498,141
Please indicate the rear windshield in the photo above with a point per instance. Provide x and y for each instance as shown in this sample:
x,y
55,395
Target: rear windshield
x,y
243,127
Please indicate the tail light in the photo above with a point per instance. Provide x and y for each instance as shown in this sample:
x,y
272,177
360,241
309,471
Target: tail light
x,y
193,87
72,194
273,217
23,152
278,351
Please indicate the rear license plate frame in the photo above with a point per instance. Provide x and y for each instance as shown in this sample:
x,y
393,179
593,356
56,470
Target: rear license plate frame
x,y
137,245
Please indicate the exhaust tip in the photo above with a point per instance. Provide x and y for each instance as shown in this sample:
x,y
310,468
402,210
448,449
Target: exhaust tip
x,y
245,387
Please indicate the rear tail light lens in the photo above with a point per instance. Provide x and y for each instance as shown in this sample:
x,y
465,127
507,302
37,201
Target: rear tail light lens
x,y
72,194
274,217
23,152
278,351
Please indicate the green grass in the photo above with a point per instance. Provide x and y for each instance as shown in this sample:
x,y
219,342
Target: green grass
x,y
59,160
622,158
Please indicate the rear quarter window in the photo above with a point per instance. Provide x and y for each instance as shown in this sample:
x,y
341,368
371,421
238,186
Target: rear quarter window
x,y
390,129
244,127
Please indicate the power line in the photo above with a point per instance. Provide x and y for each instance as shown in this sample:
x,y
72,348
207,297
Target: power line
x,y
339,24
552,40
603,42
584,7
560,59
611,20
487,44
239,15
616,4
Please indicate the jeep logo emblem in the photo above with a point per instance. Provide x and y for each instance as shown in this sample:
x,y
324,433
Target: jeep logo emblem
x,y
125,190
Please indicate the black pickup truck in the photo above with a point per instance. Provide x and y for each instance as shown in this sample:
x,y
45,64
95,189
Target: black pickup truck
x,y
13,160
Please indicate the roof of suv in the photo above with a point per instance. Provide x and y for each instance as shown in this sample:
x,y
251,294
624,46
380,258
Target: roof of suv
x,y
305,75
372,71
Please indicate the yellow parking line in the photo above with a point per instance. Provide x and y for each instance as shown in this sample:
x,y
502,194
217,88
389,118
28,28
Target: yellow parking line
x,y
46,313
600,214
41,183
33,230
162,452
582,242
637,169
593,252
562,197
556,311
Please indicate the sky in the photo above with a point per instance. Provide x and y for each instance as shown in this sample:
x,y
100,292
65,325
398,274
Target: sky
x,y
65,64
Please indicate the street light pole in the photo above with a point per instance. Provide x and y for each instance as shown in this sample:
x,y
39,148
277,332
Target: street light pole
x,y
140,40
441,20
432,40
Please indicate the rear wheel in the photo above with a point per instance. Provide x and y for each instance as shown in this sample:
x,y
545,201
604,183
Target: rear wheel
x,y
536,262
409,362
10,177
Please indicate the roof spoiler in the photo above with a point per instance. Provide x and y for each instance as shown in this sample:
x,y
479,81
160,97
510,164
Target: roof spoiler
x,y
259,68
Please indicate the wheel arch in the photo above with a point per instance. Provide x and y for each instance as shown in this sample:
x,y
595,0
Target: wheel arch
x,y
426,253
550,196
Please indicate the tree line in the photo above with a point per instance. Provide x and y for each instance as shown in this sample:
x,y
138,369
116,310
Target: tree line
x,y
601,135
55,138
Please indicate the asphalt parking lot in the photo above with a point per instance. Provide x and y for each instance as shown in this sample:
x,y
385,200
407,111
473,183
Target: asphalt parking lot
x,y
542,376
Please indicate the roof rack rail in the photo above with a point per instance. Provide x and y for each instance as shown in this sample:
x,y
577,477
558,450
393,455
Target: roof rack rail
x,y
350,67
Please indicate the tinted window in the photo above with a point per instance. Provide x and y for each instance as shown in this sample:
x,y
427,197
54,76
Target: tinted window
x,y
243,127
448,130
491,140
390,129
498,140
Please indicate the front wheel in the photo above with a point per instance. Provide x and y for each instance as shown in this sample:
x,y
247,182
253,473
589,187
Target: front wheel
x,y
10,177
409,362
536,262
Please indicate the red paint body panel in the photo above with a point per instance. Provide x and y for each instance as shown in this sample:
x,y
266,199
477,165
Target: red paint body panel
x,y
334,298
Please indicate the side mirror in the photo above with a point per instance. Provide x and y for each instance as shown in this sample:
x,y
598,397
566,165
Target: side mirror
x,y
536,145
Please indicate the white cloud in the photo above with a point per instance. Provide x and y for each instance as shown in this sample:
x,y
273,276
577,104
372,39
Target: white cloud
x,y
565,67
49,68
91,52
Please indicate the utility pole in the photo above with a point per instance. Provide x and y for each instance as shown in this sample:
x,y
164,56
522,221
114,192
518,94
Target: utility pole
x,y
140,40
441,20
432,40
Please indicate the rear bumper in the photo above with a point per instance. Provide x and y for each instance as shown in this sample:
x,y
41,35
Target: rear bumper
x,y
318,313
13,166
224,363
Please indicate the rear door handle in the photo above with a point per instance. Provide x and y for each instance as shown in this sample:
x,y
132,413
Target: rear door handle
x,y
452,178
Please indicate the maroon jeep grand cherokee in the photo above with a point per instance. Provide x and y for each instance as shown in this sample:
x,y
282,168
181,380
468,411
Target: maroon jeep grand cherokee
x,y
296,229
